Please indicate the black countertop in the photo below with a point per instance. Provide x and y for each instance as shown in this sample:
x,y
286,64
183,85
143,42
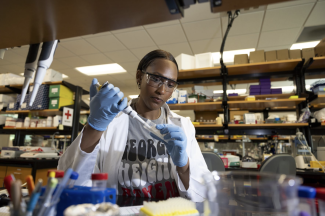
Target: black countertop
x,y
31,162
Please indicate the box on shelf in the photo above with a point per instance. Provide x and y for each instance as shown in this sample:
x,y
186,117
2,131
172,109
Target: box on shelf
x,y
11,79
60,91
10,122
257,56
6,98
250,98
233,94
254,93
57,103
254,86
52,76
320,48
182,93
182,100
282,54
308,53
319,89
249,118
192,100
241,59
185,61
295,54
203,60
41,100
174,98
13,106
270,56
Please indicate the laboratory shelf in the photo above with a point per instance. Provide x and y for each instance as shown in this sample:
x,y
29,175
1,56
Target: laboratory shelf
x,y
263,104
242,69
204,106
36,128
319,101
261,97
208,126
46,112
318,63
283,125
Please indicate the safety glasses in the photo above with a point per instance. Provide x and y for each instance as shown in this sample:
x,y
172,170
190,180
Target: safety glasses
x,y
156,81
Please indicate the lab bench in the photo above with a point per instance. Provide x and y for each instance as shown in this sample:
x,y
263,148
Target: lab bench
x,y
22,167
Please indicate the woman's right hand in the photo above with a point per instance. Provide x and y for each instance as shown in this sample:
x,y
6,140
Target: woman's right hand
x,y
104,105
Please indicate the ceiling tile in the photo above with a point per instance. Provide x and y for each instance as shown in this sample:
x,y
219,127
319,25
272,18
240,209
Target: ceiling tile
x,y
161,24
74,61
11,69
62,52
285,18
203,46
121,56
123,76
289,4
96,59
22,51
130,67
79,47
135,39
244,24
106,43
198,12
317,16
70,39
96,35
278,38
71,73
141,52
176,49
204,29
58,65
274,47
13,57
136,28
4,61
167,34
241,42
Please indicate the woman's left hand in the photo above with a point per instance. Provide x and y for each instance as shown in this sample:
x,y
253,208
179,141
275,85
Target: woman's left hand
x,y
175,141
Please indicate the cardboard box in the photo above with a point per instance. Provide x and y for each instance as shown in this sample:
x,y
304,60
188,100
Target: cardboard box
x,y
60,91
241,59
257,56
295,54
308,53
270,56
320,48
282,54
57,103
185,61
203,60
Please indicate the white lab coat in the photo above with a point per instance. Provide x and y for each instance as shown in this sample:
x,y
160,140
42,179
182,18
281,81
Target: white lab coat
x,y
108,153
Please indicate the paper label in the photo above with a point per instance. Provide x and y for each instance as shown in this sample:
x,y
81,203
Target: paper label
x,y
54,90
54,102
23,106
60,127
11,105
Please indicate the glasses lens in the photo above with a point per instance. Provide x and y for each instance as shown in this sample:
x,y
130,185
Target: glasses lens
x,y
157,81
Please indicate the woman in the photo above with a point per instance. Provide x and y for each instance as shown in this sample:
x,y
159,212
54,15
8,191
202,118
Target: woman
x,y
137,162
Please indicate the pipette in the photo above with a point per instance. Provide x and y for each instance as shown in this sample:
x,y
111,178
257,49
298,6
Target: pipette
x,y
45,60
30,67
149,125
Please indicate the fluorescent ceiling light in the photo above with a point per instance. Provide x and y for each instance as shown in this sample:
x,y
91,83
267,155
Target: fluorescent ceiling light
x,y
64,76
310,44
133,96
231,91
175,110
101,69
228,56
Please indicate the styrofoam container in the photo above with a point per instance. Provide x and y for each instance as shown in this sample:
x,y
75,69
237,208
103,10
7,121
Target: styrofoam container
x,y
181,100
203,60
182,93
185,61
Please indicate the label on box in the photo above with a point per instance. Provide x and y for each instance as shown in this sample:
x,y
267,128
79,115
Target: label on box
x,y
11,105
23,106
54,102
54,90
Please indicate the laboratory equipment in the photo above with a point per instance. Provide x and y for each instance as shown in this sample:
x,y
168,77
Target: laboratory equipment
x,y
307,200
30,67
251,193
45,60
248,161
99,180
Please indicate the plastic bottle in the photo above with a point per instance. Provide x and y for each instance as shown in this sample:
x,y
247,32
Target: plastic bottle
x,y
99,180
307,200
49,121
58,174
26,122
74,176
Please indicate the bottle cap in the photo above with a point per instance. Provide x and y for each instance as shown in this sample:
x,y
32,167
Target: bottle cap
x,y
99,176
74,176
306,192
320,193
58,173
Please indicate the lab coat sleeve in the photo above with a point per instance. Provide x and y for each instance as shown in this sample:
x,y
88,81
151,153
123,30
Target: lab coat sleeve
x,y
83,163
197,190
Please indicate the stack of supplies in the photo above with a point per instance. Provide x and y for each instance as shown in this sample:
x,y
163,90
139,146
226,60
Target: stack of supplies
x,y
318,87
233,94
276,91
265,86
60,96
254,90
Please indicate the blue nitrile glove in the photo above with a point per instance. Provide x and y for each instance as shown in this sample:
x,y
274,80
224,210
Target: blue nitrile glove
x,y
104,105
175,141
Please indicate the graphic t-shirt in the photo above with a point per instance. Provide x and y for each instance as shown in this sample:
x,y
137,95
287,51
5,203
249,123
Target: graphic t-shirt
x,y
145,169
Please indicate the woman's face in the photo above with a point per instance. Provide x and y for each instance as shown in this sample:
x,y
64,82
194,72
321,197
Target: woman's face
x,y
153,97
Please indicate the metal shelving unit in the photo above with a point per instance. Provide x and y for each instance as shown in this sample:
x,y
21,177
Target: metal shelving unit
x,y
21,132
